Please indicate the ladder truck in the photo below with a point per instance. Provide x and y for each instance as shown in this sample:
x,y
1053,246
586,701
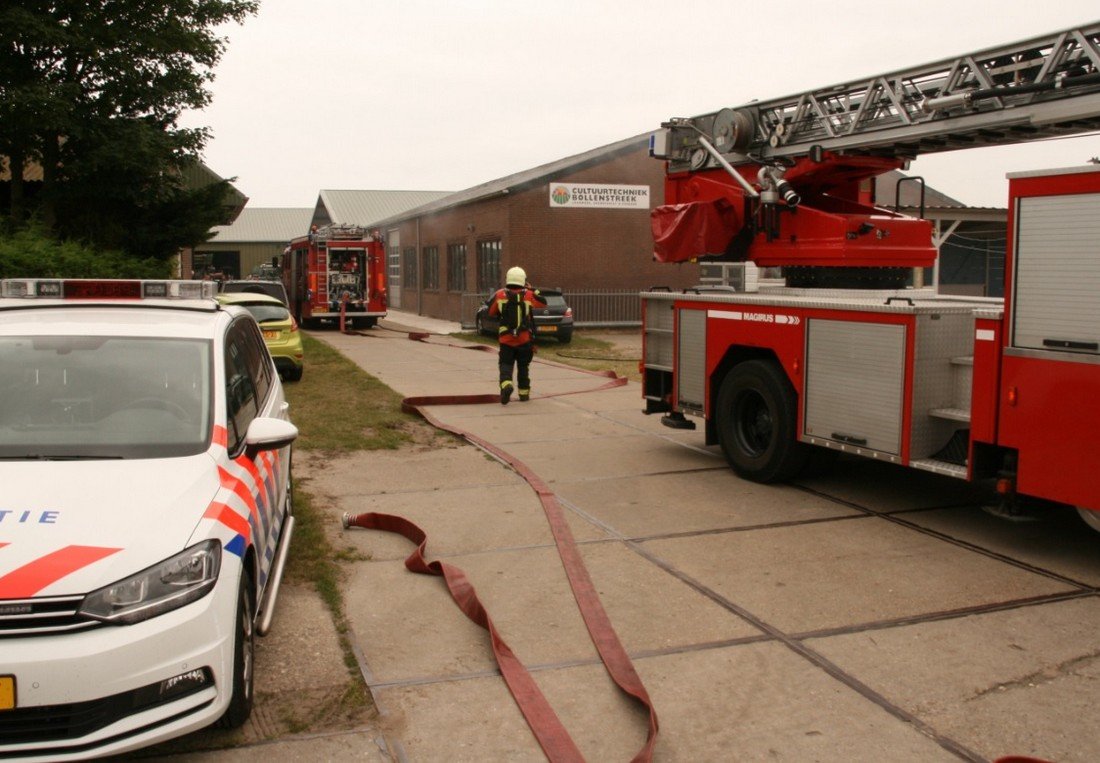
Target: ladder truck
x,y
336,270
844,355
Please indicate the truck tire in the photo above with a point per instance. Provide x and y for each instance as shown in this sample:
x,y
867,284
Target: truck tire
x,y
756,417
1089,517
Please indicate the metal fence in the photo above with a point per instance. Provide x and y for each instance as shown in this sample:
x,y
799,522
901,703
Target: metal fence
x,y
591,308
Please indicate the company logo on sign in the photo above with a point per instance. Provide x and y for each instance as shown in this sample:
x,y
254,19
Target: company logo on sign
x,y
599,195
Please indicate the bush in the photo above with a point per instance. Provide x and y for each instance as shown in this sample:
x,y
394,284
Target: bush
x,y
33,253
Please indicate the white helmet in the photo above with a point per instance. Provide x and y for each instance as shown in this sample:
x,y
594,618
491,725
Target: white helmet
x,y
516,277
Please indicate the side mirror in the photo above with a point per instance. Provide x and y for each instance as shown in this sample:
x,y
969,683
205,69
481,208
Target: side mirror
x,y
269,434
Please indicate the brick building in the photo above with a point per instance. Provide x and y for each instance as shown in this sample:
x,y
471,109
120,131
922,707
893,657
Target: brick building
x,y
580,223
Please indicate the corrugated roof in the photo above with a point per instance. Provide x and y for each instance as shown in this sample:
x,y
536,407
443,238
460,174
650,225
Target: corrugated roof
x,y
886,189
366,208
525,178
259,225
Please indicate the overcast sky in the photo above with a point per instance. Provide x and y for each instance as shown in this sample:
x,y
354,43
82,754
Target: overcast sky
x,y
442,95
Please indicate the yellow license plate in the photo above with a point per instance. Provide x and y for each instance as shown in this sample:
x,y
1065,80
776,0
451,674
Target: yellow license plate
x,y
548,329
271,335
7,692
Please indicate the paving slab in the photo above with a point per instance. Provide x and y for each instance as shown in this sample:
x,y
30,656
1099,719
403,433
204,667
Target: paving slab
x,y
1056,541
1020,682
889,487
532,606
457,522
750,702
358,745
449,466
607,457
692,502
836,574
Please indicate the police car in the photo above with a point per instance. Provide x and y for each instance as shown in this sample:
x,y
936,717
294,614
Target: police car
x,y
145,512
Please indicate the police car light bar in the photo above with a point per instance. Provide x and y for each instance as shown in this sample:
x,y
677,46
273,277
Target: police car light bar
x,y
84,288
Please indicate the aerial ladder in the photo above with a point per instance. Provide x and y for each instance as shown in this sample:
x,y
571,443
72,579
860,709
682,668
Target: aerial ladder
x,y
843,354
782,178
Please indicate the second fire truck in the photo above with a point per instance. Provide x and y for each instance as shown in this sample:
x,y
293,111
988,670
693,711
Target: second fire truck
x,y
337,272
844,355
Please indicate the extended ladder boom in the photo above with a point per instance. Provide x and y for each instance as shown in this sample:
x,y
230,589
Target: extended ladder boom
x,y
1043,87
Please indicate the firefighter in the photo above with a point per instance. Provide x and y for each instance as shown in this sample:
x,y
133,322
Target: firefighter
x,y
512,305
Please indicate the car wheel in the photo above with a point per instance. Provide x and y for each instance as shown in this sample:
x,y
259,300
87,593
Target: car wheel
x,y
294,374
565,338
244,651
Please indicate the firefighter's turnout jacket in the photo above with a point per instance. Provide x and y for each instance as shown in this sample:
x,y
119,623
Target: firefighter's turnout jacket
x,y
518,335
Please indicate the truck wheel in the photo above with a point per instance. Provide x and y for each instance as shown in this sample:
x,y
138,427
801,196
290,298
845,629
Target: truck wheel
x,y
756,419
240,704
1090,518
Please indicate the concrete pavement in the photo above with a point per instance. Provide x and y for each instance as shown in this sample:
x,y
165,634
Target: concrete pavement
x,y
866,613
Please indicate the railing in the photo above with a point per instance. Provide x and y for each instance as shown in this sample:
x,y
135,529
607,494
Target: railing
x,y
591,308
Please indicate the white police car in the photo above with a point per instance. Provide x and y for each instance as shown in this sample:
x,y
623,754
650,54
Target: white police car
x,y
145,512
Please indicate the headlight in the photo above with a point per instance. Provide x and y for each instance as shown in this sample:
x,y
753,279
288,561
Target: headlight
x,y
171,584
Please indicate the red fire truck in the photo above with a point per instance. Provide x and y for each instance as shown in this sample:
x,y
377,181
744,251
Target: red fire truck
x,y
841,353
336,269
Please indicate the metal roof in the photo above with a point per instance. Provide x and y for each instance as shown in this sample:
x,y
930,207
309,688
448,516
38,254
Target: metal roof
x,y
886,189
526,178
258,225
366,208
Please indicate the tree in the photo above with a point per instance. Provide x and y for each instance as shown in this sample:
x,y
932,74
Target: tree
x,y
93,91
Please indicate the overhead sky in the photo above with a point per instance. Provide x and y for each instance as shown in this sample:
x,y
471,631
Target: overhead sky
x,y
442,95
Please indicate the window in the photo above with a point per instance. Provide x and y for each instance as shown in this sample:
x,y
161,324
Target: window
x,y
431,267
456,267
247,380
393,259
410,268
488,265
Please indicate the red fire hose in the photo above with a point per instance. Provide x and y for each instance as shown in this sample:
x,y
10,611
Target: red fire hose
x,y
543,721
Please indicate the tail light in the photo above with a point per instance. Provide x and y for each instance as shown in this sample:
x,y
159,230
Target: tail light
x,y
568,312
293,325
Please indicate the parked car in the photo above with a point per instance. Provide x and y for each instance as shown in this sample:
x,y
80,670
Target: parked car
x,y
255,286
145,454
556,319
281,334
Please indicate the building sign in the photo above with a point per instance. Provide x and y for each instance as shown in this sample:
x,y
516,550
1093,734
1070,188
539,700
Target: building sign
x,y
599,195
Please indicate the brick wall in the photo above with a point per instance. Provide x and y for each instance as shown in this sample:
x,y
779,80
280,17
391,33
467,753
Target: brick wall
x,y
571,248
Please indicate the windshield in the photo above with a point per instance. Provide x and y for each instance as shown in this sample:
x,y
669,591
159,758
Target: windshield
x,y
265,313
73,397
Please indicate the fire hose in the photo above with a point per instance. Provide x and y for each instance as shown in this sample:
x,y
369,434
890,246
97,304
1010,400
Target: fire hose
x,y
548,729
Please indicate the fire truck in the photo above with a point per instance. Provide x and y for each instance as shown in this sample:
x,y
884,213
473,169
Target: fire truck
x,y
844,352
336,270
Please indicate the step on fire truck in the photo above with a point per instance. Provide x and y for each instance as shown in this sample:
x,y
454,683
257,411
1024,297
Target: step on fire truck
x,y
336,269
843,355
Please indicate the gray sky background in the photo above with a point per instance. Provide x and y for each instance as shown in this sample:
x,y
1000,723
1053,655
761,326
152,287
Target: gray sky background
x,y
446,94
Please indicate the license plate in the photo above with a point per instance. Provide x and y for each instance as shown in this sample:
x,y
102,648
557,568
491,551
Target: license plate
x,y
548,329
7,692
271,335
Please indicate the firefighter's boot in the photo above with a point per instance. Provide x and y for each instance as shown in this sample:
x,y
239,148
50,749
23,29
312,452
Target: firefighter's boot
x,y
524,395
505,392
